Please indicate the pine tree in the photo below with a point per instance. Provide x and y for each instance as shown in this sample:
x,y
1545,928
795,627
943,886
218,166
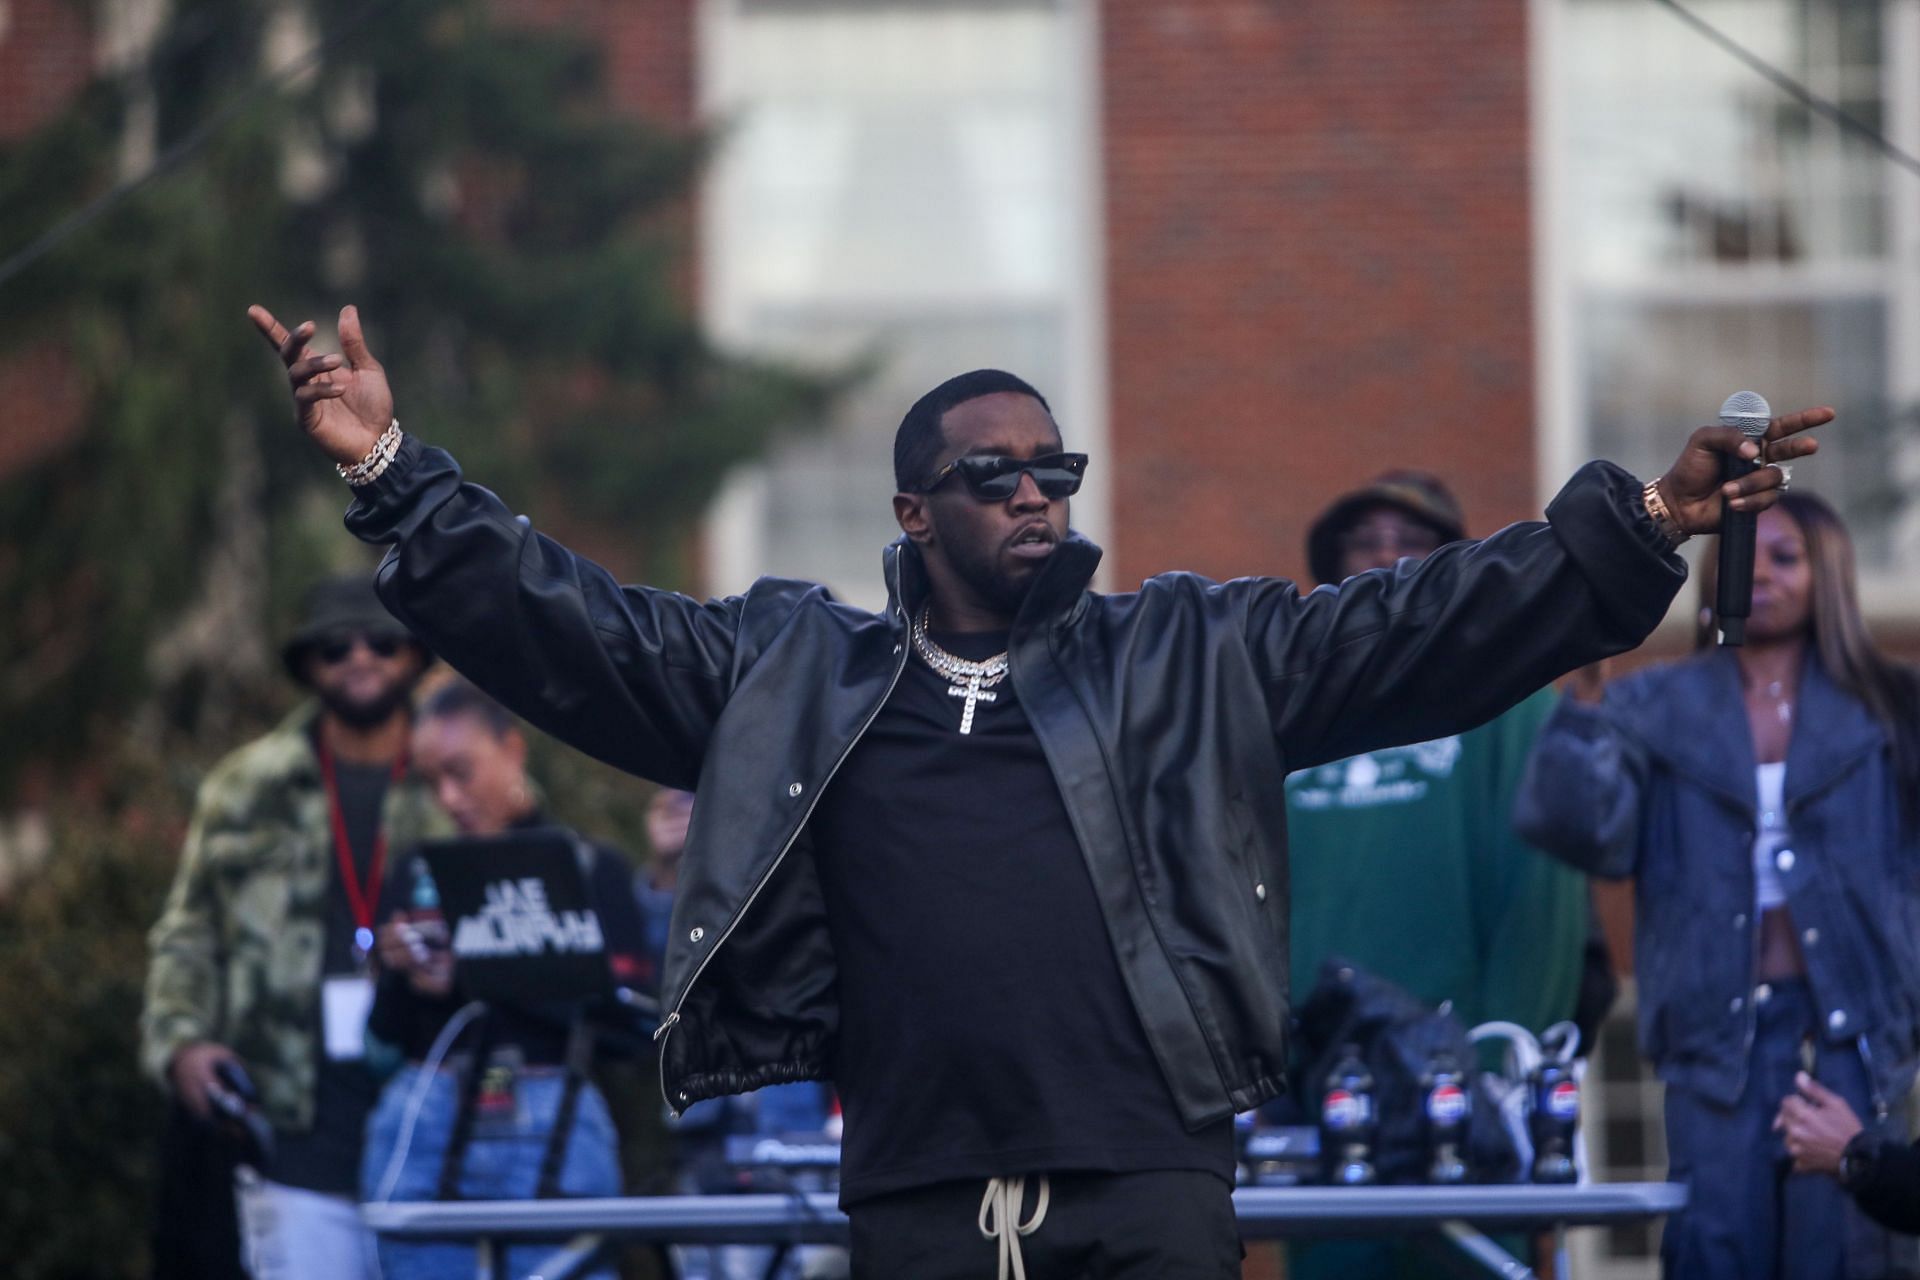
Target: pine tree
x,y
517,252
515,248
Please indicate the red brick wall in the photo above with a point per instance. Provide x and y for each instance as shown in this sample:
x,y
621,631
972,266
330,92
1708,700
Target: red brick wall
x,y
44,400
46,54
1318,267
648,44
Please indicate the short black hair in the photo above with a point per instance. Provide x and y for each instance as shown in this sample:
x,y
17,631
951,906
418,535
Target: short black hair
x,y
917,445
462,698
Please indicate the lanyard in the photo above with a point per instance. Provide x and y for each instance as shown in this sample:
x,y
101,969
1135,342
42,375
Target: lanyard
x,y
362,898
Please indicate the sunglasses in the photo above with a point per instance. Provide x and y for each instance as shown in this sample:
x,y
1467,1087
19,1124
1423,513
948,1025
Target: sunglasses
x,y
381,644
993,477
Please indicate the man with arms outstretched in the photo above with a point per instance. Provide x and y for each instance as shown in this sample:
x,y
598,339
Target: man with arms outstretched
x,y
1006,860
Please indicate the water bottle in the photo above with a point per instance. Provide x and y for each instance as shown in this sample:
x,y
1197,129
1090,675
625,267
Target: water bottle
x,y
1348,1122
1553,1111
1447,1106
424,917
426,894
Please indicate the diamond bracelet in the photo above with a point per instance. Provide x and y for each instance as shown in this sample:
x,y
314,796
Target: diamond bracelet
x,y
369,468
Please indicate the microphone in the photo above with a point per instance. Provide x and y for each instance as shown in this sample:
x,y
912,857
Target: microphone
x,y
1749,414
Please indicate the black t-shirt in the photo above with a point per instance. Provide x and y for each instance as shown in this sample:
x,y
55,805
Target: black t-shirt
x,y
327,1158
986,1029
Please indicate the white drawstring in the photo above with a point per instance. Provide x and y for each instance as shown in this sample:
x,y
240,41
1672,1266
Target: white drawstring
x,y
1000,1220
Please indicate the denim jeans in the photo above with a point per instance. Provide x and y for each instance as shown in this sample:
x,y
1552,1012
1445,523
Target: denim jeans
x,y
502,1162
1748,1216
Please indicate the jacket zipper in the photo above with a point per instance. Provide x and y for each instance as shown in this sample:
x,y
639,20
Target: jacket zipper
x,y
667,1024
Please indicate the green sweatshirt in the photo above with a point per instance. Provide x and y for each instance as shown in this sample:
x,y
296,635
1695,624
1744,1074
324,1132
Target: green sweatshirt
x,y
1405,862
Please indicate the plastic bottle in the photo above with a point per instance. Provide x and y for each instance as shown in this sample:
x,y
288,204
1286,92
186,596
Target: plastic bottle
x,y
1553,1112
1447,1107
1348,1122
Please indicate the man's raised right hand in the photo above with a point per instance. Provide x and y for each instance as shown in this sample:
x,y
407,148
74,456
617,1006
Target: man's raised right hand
x,y
342,402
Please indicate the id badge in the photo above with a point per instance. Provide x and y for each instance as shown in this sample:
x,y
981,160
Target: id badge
x,y
345,1003
496,1103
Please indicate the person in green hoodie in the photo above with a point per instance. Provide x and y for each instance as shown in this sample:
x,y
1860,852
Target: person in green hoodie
x,y
1404,861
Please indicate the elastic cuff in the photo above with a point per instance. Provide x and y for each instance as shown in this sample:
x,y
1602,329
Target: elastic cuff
x,y
1645,528
1601,519
394,472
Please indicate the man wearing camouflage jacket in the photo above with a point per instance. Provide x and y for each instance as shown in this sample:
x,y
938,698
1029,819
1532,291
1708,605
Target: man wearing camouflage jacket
x,y
259,958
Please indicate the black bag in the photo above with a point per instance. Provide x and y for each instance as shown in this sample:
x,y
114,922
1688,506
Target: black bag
x,y
1397,1036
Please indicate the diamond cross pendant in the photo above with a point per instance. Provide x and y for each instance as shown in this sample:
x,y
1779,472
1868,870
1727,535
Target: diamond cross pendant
x,y
973,693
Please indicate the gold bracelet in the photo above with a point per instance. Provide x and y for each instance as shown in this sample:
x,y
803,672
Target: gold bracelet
x,y
1662,517
368,469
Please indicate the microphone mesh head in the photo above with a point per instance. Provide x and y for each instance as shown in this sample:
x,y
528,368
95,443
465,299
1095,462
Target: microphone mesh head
x,y
1747,411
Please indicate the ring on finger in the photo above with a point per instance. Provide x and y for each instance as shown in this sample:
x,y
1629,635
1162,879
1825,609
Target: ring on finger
x,y
1786,474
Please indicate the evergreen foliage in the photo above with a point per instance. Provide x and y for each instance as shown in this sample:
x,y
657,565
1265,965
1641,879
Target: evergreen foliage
x,y
515,248
78,1123
516,251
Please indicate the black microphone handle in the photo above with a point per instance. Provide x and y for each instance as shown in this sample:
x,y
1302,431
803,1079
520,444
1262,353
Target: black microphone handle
x,y
1734,598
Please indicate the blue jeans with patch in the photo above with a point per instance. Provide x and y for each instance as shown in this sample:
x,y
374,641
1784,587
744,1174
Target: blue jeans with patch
x,y
1748,1216
502,1162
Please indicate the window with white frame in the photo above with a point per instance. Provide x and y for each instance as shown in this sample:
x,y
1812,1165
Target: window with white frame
x,y
909,182
1706,233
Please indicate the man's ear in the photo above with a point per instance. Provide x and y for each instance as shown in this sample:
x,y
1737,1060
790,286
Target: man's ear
x,y
910,509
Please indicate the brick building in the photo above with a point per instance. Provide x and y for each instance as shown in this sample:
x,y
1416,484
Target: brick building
x,y
1256,251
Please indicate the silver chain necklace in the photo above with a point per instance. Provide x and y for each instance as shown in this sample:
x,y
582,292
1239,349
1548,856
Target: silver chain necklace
x,y
973,681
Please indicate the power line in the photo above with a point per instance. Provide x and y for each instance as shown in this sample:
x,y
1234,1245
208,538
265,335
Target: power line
x,y
60,232
204,132
1793,88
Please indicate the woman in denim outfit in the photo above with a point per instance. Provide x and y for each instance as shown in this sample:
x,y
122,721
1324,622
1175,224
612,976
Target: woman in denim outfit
x,y
1766,802
469,750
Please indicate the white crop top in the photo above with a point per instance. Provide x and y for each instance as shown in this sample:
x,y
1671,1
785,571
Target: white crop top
x,y
1770,836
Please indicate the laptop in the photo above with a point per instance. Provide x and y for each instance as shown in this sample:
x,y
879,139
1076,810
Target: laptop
x,y
523,920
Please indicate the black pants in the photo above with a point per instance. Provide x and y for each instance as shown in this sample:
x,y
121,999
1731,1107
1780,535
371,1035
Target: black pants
x,y
196,1227
1171,1225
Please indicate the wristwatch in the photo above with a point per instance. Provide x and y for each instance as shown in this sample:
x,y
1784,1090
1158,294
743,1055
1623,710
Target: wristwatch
x,y
1857,1159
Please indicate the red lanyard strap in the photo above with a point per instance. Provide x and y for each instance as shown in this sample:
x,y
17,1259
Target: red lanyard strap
x,y
362,898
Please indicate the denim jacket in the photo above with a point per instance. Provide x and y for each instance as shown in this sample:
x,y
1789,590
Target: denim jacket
x,y
1658,783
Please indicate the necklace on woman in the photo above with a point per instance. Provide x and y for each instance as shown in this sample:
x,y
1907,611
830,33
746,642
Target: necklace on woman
x,y
973,681
1782,705
1776,692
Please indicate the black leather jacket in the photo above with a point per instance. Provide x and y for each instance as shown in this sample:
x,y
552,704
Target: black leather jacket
x,y
1169,716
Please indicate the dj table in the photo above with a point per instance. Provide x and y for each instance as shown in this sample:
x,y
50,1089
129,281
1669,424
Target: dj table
x,y
1456,1215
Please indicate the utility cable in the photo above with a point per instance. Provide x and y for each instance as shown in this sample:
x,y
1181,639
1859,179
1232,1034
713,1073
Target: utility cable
x,y
196,138
1793,88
